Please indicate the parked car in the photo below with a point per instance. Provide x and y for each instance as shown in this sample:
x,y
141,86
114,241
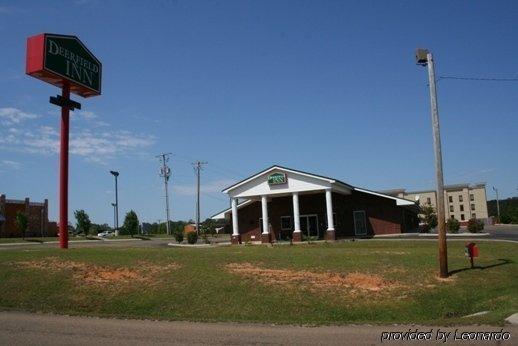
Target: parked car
x,y
105,234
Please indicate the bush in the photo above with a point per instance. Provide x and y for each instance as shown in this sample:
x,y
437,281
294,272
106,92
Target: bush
x,y
178,236
424,228
475,225
453,225
192,237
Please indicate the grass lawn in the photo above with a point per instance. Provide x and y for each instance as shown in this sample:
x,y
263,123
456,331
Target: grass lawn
x,y
353,282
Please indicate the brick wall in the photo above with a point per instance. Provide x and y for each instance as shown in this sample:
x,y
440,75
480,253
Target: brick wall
x,y
383,216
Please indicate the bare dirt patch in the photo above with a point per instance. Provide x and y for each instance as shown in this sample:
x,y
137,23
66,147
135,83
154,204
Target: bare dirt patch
x,y
101,275
313,280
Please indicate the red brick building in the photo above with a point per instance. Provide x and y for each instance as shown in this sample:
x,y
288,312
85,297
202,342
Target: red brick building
x,y
282,203
37,216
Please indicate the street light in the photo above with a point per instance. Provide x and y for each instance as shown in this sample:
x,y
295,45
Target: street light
x,y
425,58
116,174
497,204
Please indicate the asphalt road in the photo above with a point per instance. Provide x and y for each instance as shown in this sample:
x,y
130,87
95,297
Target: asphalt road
x,y
503,232
38,329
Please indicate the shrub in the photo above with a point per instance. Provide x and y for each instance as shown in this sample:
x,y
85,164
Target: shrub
x,y
475,225
192,237
178,236
453,225
424,228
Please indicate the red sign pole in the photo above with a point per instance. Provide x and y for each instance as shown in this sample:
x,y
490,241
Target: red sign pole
x,y
63,170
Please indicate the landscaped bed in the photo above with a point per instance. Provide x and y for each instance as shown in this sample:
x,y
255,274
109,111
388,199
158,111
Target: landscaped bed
x,y
339,283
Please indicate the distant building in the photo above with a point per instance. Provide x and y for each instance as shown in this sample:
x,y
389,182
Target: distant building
x,y
461,201
189,228
37,214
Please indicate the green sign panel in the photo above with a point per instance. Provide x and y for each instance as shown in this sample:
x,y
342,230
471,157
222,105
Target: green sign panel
x,y
277,179
67,57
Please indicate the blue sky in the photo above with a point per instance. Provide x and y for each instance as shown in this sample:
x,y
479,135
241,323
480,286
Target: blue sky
x,y
329,87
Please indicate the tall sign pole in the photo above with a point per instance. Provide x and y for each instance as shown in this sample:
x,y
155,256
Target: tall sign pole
x,y
165,172
63,169
65,62
426,58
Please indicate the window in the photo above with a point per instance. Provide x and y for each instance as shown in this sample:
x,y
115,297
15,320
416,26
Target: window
x,y
474,216
450,198
471,197
285,223
462,207
451,208
460,198
429,200
462,217
472,207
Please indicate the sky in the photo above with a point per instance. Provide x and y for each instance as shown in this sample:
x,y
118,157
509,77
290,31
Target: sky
x,y
329,87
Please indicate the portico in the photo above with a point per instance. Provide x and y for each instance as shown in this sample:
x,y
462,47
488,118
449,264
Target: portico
x,y
281,203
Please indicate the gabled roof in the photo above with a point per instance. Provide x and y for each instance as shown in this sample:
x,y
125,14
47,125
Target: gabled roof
x,y
399,201
221,214
274,167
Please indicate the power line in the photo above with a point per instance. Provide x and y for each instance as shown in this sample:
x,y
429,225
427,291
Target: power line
x,y
479,79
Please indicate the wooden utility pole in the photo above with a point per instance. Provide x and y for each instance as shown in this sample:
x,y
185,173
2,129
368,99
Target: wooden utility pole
x,y
197,167
165,172
425,58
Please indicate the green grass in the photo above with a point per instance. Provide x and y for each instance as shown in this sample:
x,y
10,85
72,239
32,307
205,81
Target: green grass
x,y
202,289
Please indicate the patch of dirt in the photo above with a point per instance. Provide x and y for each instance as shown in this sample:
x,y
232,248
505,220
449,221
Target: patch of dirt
x,y
101,275
312,280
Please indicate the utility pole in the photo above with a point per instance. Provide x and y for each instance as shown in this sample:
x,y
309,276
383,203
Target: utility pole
x,y
425,58
165,172
198,167
497,203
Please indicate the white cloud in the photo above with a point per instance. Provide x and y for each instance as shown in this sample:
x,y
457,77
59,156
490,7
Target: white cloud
x,y
12,116
87,141
209,187
10,164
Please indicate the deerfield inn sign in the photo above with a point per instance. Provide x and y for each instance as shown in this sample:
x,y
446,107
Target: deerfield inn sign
x,y
54,58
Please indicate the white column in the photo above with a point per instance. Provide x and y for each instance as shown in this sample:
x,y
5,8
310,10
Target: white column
x,y
296,213
329,210
264,205
235,227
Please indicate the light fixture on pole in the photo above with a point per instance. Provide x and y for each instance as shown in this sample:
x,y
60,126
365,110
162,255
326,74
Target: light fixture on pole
x,y
116,175
425,58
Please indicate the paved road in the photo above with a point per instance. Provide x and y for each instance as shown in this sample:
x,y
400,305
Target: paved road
x,y
507,232
30,329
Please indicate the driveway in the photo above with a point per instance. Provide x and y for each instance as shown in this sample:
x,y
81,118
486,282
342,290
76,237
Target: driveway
x,y
39,329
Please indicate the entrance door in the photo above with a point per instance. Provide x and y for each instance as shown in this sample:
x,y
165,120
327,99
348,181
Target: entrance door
x,y
360,224
309,225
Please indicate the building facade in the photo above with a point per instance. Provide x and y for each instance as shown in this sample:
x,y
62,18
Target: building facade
x,y
37,217
280,203
461,201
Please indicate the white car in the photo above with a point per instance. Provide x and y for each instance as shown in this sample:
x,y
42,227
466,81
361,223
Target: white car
x,y
105,234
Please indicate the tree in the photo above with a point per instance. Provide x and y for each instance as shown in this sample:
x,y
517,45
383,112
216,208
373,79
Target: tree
x,y
83,221
131,223
453,225
428,216
21,223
